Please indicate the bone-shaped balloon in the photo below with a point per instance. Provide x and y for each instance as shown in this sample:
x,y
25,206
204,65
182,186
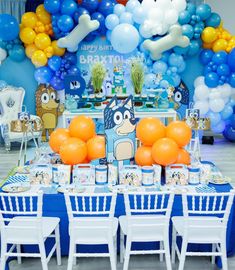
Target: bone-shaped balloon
x,y
85,26
174,38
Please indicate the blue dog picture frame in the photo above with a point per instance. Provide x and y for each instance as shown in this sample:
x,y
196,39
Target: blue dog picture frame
x,y
75,85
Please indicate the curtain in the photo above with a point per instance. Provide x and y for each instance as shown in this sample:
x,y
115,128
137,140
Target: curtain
x,y
13,7
31,5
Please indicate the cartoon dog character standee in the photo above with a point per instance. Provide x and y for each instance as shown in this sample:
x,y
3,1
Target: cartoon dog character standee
x,y
48,108
119,124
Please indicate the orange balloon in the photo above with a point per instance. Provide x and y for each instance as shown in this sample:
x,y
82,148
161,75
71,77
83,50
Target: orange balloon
x,y
183,157
165,151
180,132
96,148
143,156
57,138
82,127
73,151
149,130
123,2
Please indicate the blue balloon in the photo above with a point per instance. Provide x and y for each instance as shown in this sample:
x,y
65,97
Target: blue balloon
x,y
191,8
184,17
131,5
232,79
52,6
54,63
220,58
206,56
214,20
108,35
223,70
65,23
203,11
70,57
194,47
80,11
188,30
2,84
212,79
164,84
119,9
160,67
68,7
139,15
126,17
150,80
229,133
74,70
100,18
176,60
105,7
9,27
90,37
231,60
90,5
219,128
176,79
111,21
43,75
17,53
57,83
180,50
227,112
215,118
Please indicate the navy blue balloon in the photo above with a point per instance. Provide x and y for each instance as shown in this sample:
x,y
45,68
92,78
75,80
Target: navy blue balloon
x,y
106,7
52,6
80,11
17,53
90,37
70,57
43,75
220,58
231,60
229,133
232,79
214,20
100,18
57,83
206,56
68,7
223,70
212,79
9,27
65,23
54,63
90,5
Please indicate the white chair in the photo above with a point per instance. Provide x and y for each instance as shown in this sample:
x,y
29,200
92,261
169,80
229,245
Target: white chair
x,y
11,103
21,223
205,222
92,222
147,220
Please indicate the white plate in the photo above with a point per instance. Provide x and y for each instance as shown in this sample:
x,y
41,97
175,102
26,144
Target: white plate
x,y
15,188
220,181
71,189
123,188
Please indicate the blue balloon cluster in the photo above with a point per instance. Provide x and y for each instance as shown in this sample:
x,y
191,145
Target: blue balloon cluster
x,y
193,20
9,27
219,68
14,48
229,132
57,69
2,84
169,68
65,15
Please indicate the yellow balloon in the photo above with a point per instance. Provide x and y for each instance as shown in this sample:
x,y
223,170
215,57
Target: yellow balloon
x,y
43,15
27,35
207,45
42,41
220,45
209,35
49,51
57,50
39,58
40,9
29,19
30,49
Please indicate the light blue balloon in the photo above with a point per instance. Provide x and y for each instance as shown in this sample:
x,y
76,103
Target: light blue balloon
x,y
219,128
111,21
17,53
215,118
139,15
184,17
227,112
176,79
108,35
232,102
126,17
182,67
164,84
188,30
2,84
119,9
175,60
150,80
160,67
131,5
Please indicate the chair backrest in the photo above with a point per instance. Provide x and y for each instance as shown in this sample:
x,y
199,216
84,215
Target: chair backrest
x,y
90,205
197,206
19,205
11,102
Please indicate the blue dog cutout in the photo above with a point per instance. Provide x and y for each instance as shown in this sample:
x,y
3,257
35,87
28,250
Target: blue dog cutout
x,y
119,125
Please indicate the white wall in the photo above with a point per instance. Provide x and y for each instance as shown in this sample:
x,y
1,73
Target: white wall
x,y
226,9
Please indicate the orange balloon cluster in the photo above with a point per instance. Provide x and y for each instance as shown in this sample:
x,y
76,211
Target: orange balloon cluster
x,y
162,145
35,32
79,143
218,39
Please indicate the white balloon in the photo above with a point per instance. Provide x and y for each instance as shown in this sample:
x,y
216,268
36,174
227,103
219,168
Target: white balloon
x,y
3,54
226,100
217,105
202,105
155,15
145,30
179,5
148,4
214,93
164,4
199,81
201,92
226,90
171,16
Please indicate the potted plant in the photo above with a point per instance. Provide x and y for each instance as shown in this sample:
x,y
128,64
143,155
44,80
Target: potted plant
x,y
98,73
137,76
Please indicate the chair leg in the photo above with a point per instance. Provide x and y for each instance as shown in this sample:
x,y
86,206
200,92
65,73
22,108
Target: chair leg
x,y
75,258
161,254
127,253
18,250
173,246
213,250
167,253
112,254
183,254
224,256
58,250
71,253
43,255
3,254
121,246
